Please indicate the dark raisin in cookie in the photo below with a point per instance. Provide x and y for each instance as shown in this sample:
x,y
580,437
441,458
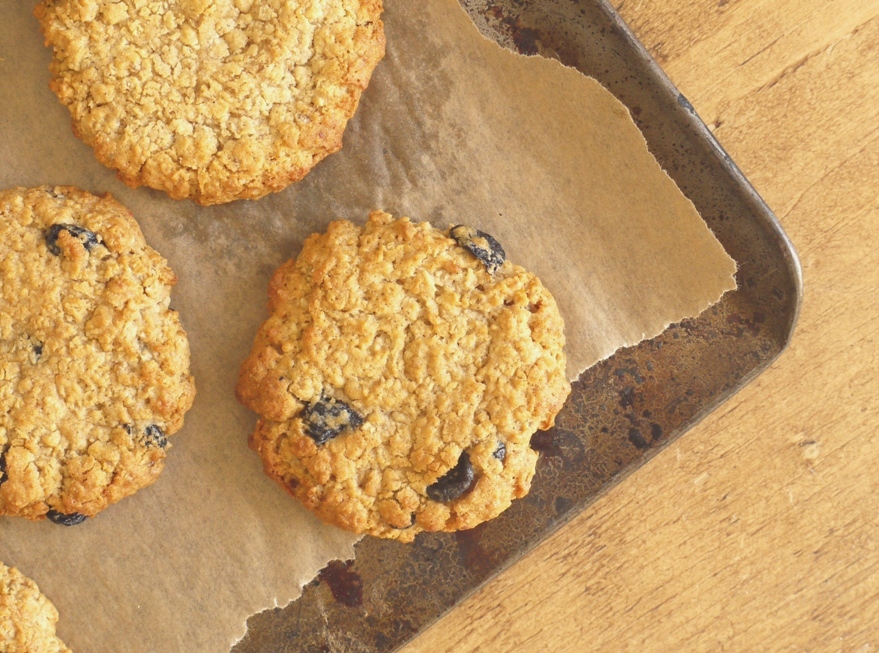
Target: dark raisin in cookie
x,y
481,245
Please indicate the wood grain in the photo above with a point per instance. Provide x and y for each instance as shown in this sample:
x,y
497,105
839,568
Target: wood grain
x,y
759,529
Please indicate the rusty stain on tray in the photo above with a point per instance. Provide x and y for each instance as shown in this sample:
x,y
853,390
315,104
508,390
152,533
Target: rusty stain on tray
x,y
621,410
345,584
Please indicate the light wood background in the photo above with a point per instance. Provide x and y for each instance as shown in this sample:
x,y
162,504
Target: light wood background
x,y
759,529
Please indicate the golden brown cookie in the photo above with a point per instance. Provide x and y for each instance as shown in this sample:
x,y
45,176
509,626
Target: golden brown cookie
x,y
215,100
401,375
27,618
94,366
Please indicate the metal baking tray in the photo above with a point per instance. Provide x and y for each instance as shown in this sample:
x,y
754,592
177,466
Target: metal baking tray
x,y
622,411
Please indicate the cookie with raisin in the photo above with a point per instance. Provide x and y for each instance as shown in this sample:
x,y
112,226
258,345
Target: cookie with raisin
x,y
95,365
401,374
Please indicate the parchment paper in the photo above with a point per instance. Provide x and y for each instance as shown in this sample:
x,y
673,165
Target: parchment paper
x,y
452,129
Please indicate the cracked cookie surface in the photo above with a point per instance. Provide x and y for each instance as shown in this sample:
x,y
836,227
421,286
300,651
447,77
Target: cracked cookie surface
x,y
94,366
215,100
27,617
398,381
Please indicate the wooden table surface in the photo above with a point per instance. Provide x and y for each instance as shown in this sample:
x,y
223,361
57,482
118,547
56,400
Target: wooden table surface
x,y
759,529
